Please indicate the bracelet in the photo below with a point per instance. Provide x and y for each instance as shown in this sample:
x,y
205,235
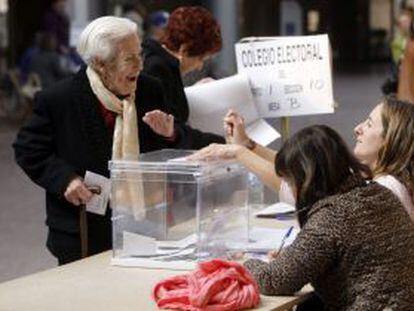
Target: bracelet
x,y
251,144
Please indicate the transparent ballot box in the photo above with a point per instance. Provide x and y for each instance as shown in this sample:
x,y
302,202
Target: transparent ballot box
x,y
166,210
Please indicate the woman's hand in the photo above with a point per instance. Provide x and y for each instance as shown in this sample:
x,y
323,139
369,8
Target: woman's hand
x,y
160,122
235,128
272,255
218,151
77,193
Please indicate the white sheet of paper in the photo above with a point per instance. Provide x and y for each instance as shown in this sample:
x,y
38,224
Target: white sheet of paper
x,y
138,245
277,208
265,239
154,264
99,202
209,103
179,160
261,132
185,242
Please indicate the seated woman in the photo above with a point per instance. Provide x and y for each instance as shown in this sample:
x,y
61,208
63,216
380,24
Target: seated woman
x,y
384,143
348,249
192,36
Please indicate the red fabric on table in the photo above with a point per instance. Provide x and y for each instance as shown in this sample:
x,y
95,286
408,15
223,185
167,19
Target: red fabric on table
x,y
216,285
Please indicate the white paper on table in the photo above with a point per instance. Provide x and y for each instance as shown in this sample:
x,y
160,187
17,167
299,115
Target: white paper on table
x,y
183,243
264,239
135,244
99,202
138,245
178,160
277,208
209,103
180,265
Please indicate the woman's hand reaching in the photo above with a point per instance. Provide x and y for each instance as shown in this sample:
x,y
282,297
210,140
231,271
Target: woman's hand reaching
x,y
235,129
160,122
217,152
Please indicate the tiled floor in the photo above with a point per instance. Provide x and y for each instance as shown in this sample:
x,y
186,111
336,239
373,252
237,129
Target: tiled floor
x,y
22,211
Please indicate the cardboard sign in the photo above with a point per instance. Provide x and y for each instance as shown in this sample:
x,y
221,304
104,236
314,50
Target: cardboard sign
x,y
289,76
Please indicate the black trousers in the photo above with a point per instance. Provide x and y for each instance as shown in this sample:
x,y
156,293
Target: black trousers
x,y
66,247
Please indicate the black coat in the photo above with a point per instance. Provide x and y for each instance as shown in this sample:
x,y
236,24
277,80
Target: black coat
x,y
66,136
165,67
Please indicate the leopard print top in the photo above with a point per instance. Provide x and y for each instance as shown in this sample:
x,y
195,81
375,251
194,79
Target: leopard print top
x,y
356,249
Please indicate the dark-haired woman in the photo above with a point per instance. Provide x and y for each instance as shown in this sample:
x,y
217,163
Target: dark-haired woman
x,y
192,36
356,244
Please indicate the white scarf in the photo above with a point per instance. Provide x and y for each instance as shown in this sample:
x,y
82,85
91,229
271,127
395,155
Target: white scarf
x,y
129,191
125,142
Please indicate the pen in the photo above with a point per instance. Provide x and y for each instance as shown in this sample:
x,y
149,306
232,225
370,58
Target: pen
x,y
285,237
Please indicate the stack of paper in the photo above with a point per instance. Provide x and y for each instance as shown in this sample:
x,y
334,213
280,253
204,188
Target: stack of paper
x,y
265,239
275,210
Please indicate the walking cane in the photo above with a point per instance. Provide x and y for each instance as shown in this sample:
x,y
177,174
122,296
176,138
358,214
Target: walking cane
x,y
83,223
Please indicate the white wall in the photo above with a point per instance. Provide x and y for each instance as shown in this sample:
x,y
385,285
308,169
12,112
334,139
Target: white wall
x,y
3,6
78,11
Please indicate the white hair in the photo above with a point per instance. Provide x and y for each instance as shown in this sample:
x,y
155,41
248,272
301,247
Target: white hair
x,y
99,38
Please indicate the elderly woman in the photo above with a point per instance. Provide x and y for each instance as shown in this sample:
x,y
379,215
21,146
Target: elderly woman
x,y
108,110
192,36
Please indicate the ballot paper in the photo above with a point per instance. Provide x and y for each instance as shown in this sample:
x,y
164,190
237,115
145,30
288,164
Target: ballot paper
x,y
151,263
265,239
276,209
209,103
138,245
183,243
99,202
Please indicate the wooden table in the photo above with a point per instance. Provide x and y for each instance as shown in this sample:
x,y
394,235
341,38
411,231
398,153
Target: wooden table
x,y
93,284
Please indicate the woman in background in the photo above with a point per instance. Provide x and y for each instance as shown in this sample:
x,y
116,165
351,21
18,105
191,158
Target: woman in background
x,y
192,36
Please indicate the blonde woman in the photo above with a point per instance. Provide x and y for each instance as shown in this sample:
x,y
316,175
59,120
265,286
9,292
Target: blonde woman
x,y
384,142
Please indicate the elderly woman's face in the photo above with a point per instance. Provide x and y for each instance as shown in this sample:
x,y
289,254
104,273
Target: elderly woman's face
x,y
120,74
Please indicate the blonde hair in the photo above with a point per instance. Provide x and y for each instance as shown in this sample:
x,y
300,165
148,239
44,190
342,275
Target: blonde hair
x,y
99,38
396,155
